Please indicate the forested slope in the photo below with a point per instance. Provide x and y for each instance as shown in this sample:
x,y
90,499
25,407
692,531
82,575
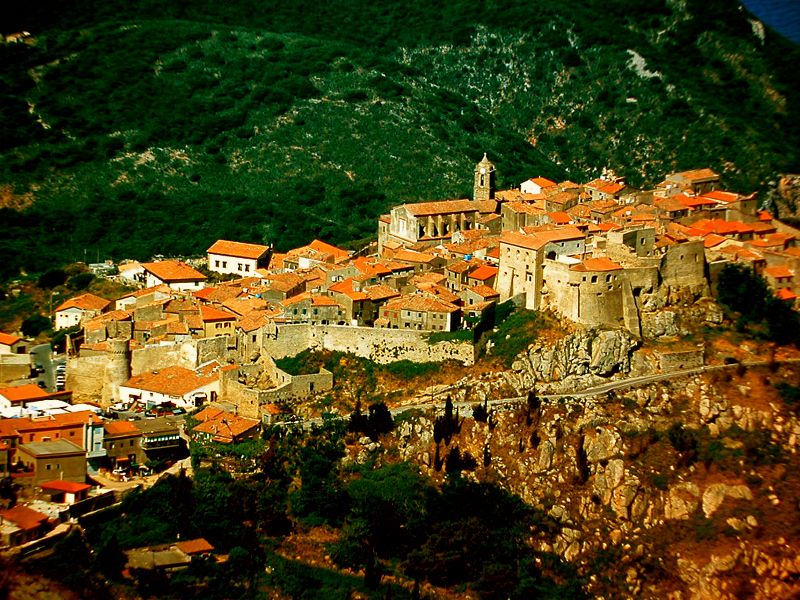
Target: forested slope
x,y
149,128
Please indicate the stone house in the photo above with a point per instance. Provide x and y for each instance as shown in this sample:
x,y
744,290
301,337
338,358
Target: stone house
x,y
55,459
419,312
217,322
123,443
315,309
79,309
237,258
223,427
21,524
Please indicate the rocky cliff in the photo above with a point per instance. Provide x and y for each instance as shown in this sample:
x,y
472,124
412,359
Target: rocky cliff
x,y
682,490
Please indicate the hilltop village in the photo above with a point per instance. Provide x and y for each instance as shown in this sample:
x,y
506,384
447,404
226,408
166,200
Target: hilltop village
x,y
600,254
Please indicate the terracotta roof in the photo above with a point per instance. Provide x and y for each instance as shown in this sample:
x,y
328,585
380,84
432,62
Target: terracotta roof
x,y
442,207
223,426
695,202
537,238
8,339
238,249
380,292
712,239
84,302
696,174
57,421
64,486
483,273
778,272
720,196
785,294
561,198
24,393
173,271
413,257
321,246
23,517
209,314
484,291
597,264
255,320
560,218
346,287
542,182
198,546
763,215
420,303
171,381
120,428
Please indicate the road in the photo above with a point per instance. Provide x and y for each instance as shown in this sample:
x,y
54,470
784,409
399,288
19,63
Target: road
x,y
42,355
628,382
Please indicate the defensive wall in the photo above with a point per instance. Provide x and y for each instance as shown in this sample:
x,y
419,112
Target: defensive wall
x,y
14,366
379,345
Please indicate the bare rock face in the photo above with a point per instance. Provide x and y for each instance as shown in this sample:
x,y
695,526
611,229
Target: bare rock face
x,y
715,495
681,318
682,501
588,352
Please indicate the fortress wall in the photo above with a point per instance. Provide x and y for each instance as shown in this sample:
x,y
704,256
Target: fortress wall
x,y
389,345
86,376
684,265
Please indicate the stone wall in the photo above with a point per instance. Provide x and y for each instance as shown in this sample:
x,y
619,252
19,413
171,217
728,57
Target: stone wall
x,y
677,360
14,366
86,376
684,264
189,354
380,345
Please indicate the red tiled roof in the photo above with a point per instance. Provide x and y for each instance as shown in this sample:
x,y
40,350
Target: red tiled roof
x,y
785,294
28,392
483,273
84,302
420,303
209,314
238,249
172,381
321,246
173,271
597,264
57,421
778,272
64,486
198,546
8,339
720,196
115,428
442,207
484,291
23,517
542,182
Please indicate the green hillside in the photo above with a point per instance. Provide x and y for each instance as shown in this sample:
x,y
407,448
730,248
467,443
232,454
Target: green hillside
x,y
130,130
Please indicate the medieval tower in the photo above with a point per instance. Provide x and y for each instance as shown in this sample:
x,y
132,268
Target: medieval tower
x,y
484,180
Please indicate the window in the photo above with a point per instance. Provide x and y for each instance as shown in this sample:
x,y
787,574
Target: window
x,y
224,264
71,434
247,268
594,278
254,337
216,263
131,443
47,467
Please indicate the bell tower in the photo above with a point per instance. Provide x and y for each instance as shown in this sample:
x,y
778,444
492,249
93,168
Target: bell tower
x,y
484,180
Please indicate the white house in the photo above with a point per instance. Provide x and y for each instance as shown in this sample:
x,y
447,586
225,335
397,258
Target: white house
x,y
12,344
177,275
237,258
177,385
536,185
78,309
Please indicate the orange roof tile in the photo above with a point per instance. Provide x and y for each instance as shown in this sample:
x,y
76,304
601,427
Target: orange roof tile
x,y
779,272
238,249
785,294
419,302
84,302
483,273
597,264
173,271
198,546
560,218
209,314
8,339
23,517
542,182
321,246
484,291
720,196
120,428
61,485
28,392
442,207
172,381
